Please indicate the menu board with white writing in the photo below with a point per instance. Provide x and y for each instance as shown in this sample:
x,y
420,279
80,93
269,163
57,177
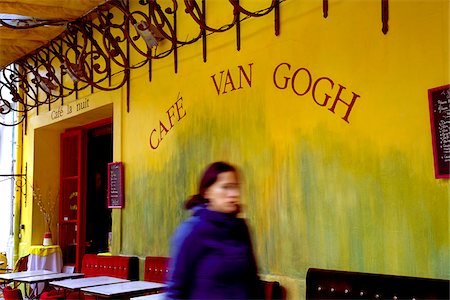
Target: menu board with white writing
x,y
115,185
439,101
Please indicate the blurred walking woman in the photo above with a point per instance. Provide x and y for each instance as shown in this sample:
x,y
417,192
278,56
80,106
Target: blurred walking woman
x,y
211,252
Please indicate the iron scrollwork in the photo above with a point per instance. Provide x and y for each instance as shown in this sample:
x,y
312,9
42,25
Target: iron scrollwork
x,y
20,182
95,50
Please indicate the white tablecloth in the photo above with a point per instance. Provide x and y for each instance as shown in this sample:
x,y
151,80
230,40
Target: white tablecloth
x,y
45,258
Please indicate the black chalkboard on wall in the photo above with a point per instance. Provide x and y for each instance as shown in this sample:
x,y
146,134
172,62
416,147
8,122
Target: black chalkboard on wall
x,y
115,185
439,101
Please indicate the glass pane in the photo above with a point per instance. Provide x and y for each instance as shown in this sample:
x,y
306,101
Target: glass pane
x,y
69,207
68,242
70,156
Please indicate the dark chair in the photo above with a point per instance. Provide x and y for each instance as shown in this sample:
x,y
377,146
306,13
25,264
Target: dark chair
x,y
337,284
10,293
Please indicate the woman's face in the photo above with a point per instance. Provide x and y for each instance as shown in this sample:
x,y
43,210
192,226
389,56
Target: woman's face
x,y
224,194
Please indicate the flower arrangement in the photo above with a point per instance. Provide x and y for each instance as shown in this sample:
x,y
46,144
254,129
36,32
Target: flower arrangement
x,y
46,205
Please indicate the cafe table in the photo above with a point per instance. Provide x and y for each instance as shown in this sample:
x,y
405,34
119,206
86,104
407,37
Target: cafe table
x,y
74,285
34,293
14,276
159,296
45,258
78,283
125,289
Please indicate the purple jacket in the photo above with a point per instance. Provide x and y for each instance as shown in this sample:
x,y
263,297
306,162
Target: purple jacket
x,y
212,258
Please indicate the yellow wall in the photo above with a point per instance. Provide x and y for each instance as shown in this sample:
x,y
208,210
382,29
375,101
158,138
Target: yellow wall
x,y
318,191
42,159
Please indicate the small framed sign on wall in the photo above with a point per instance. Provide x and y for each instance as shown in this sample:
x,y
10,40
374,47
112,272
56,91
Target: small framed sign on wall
x,y
439,102
115,185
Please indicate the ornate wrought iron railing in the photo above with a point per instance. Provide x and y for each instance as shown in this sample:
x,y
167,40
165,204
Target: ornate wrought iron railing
x,y
95,50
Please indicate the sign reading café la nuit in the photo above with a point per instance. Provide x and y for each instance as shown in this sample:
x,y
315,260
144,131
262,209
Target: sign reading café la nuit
x,y
67,110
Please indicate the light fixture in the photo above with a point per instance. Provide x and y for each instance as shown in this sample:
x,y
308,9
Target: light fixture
x,y
46,84
74,70
149,33
25,22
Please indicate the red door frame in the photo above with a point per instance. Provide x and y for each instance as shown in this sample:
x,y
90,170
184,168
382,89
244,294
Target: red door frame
x,y
80,133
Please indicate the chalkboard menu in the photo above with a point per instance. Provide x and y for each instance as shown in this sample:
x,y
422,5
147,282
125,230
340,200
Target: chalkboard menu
x,y
115,185
439,101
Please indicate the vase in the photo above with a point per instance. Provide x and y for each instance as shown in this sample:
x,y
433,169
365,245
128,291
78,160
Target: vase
x,y
47,239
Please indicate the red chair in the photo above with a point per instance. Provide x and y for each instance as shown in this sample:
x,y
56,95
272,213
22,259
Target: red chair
x,y
273,290
10,293
53,294
156,268
126,267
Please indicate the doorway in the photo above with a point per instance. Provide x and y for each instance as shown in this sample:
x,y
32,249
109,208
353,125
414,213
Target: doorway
x,y
98,215
74,164
84,218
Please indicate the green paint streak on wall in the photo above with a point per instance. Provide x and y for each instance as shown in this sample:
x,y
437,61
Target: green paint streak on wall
x,y
318,192
313,203
356,210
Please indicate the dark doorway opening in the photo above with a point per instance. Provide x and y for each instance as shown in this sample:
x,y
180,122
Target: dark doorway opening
x,y
98,215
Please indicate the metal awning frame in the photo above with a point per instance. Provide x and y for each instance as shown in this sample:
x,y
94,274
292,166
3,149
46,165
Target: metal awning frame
x,y
77,59
94,51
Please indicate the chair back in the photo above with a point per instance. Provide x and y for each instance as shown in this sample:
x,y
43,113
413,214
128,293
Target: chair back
x,y
3,263
21,264
156,268
12,293
126,267
338,284
56,295
273,290
68,269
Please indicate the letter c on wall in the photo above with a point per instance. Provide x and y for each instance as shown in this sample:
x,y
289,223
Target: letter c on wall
x,y
151,144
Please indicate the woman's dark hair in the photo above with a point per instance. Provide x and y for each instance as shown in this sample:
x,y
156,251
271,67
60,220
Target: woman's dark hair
x,y
209,177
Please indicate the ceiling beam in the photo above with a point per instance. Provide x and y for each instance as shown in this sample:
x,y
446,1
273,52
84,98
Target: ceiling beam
x,y
45,9
40,33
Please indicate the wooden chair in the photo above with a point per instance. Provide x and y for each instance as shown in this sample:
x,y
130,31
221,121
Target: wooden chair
x,y
3,269
3,263
20,266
